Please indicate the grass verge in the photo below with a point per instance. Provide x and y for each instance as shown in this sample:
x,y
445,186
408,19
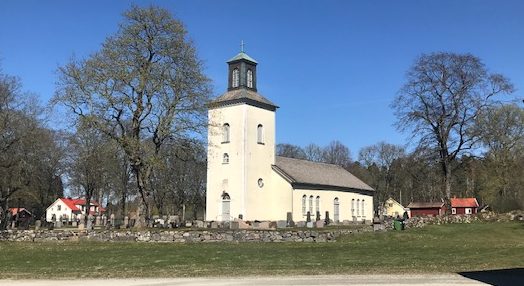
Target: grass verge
x,y
443,248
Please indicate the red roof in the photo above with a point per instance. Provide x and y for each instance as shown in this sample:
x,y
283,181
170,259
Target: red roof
x,y
425,205
14,211
464,203
72,203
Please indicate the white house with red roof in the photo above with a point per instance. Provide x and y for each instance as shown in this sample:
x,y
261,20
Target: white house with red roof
x,y
71,209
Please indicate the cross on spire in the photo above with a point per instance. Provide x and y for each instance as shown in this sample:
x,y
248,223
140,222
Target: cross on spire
x,y
242,46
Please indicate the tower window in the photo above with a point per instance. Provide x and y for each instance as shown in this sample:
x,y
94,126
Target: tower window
x,y
235,78
260,134
249,78
225,133
225,159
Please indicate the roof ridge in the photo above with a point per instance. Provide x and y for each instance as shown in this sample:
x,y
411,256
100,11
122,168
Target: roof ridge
x,y
314,162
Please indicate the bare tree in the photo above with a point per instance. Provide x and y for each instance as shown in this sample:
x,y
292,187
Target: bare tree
x,y
336,153
290,151
143,87
439,103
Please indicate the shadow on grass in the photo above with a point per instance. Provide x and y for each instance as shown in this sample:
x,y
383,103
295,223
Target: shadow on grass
x,y
500,277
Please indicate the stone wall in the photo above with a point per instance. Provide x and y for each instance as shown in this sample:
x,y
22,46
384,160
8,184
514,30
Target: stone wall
x,y
178,236
416,222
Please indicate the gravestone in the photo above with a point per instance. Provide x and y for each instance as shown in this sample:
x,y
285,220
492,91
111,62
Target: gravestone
x,y
38,224
263,225
319,224
327,220
126,222
309,224
234,225
74,223
214,224
301,224
289,219
199,224
58,224
281,224
98,221
318,216
104,220
112,220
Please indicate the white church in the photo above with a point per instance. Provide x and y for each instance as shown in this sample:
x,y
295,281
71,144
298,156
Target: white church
x,y
246,180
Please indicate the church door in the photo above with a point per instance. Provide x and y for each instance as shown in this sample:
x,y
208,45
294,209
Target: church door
x,y
226,207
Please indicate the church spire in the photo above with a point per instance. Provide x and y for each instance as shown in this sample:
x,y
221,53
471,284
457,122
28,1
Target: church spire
x,y
242,71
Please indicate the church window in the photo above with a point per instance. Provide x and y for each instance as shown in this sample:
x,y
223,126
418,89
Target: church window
x,y
310,204
336,209
358,207
318,204
362,208
260,134
225,159
249,79
225,133
353,207
304,198
235,78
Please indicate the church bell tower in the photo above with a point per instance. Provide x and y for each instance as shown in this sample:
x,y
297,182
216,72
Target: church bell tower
x,y
241,145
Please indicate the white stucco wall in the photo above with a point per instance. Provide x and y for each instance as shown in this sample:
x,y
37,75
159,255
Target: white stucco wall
x,y
248,160
53,209
327,198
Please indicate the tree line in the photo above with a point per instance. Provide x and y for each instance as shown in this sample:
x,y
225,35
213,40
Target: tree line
x,y
137,109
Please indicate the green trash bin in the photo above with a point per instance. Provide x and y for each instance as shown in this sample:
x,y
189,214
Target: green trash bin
x,y
398,225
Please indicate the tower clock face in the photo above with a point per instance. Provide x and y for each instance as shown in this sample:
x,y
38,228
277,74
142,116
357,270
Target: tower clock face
x,y
260,182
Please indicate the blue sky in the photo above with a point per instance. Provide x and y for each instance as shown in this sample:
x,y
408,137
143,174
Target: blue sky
x,y
333,67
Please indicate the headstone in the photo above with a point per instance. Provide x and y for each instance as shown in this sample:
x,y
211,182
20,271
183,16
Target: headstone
x,y
289,219
281,224
308,217
13,224
263,225
301,224
188,224
81,226
326,220
242,224
319,224
38,224
309,224
234,225
199,224
104,220
112,219
214,224
126,222
58,224
98,220
74,223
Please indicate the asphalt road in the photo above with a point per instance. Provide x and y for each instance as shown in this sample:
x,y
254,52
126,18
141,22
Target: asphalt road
x,y
422,279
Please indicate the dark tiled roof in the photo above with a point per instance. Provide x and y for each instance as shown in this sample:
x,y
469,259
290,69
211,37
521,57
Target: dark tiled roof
x,y
305,172
243,95
464,202
425,205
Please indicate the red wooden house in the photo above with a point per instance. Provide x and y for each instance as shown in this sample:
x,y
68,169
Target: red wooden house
x,y
464,206
426,209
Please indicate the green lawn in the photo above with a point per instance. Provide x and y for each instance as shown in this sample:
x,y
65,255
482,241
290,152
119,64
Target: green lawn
x,y
444,248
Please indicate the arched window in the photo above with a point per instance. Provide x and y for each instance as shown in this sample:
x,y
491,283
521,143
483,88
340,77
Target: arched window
x,y
318,204
225,159
311,205
249,79
336,209
358,207
225,133
304,198
260,134
353,207
362,208
235,78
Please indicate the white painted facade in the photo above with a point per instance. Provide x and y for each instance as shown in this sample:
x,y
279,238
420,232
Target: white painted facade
x,y
237,162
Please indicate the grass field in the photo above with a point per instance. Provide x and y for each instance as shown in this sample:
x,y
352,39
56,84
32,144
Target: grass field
x,y
444,248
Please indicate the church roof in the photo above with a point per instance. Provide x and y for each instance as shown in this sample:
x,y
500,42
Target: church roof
x,y
242,56
308,174
243,95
